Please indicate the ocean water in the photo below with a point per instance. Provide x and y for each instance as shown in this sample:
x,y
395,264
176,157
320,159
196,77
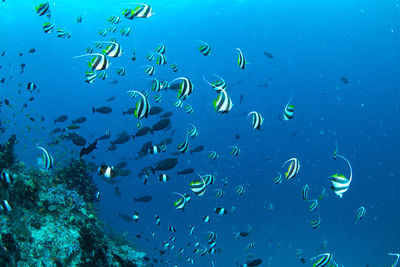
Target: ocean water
x,y
314,44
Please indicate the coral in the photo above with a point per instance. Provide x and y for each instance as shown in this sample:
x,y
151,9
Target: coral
x,y
7,157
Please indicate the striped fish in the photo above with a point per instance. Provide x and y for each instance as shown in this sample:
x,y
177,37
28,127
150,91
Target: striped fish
x,y
47,160
150,57
112,29
43,9
305,192
174,67
322,260
178,103
240,190
48,27
315,224
184,146
360,213
314,204
335,153
163,178
208,179
220,193
156,86
241,60
180,204
90,76
113,49
141,11
193,132
223,104
161,49
158,97
289,111
161,59
98,62
90,49
149,70
114,19
189,109
61,33
218,85
205,49
126,31
198,187
142,106
257,119
278,179
340,183
213,155
235,151
186,87
121,71
103,75
293,169
220,211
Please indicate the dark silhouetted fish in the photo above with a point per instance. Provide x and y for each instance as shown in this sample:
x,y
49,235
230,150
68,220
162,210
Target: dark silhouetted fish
x,y
197,149
253,263
237,136
87,150
121,164
147,170
142,132
145,149
121,139
79,120
117,192
143,199
102,110
186,171
112,148
161,125
155,110
344,80
125,217
166,164
32,50
61,118
56,130
130,111
302,260
166,115
76,139
111,98
268,55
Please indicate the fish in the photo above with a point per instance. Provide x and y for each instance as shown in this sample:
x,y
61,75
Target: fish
x,y
72,127
189,109
61,33
223,104
142,106
142,132
278,179
166,164
150,70
293,169
218,85
205,49
344,80
180,204
198,187
198,148
289,111
4,205
161,59
257,120
113,49
145,149
122,138
135,216
360,213
185,88
47,160
89,149
98,61
322,260
32,50
102,110
213,155
7,177
184,146
240,190
43,9
268,55
185,171
76,139
61,118
78,19
235,151
219,193
174,67
241,60
315,224
126,31
48,27
314,204
117,192
252,263
107,171
141,11
161,125
143,199
163,178
305,192
340,183
125,217
79,120
90,76
335,152
110,99
129,111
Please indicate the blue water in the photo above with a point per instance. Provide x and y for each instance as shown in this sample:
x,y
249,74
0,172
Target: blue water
x,y
314,44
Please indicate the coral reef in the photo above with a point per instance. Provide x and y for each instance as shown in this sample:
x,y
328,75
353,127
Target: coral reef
x,y
53,220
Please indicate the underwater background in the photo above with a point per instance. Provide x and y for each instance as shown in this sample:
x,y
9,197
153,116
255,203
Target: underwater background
x,y
337,62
